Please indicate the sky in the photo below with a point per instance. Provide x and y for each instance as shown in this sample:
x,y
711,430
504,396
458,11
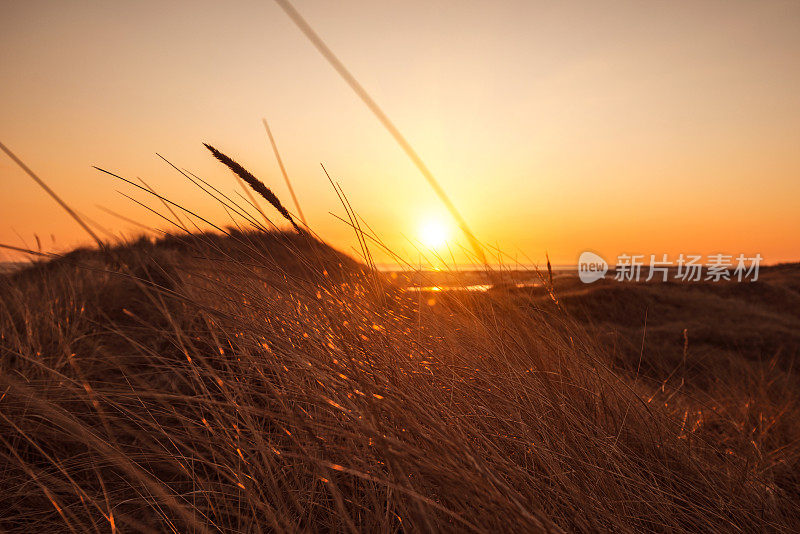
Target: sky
x,y
555,127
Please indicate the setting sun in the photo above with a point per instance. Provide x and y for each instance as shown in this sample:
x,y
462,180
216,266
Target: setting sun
x,y
433,233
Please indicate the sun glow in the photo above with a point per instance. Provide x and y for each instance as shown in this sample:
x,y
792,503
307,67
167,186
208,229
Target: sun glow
x,y
433,234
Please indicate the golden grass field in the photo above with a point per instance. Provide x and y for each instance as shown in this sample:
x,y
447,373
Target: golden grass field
x,y
251,378
263,382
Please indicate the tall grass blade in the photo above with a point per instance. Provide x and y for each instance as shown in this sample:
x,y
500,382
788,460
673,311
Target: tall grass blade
x,y
328,54
283,171
257,185
52,194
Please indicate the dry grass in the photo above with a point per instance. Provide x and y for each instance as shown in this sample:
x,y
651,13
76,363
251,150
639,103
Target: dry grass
x,y
263,382
254,380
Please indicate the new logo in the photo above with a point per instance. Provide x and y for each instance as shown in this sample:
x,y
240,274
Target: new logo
x,y
591,267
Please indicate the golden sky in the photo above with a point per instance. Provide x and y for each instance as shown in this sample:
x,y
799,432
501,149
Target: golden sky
x,y
619,127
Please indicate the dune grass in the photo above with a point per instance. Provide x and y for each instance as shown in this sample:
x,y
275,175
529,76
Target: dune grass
x,y
262,382
253,380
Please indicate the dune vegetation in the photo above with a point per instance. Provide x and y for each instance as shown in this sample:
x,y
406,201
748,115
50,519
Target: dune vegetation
x,y
254,380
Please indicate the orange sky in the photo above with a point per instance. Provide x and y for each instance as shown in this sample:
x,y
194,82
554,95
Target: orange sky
x,y
627,127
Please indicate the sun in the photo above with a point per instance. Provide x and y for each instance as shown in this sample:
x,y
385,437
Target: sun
x,y
433,233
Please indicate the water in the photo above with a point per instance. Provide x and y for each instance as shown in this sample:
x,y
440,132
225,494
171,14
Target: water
x,y
472,287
